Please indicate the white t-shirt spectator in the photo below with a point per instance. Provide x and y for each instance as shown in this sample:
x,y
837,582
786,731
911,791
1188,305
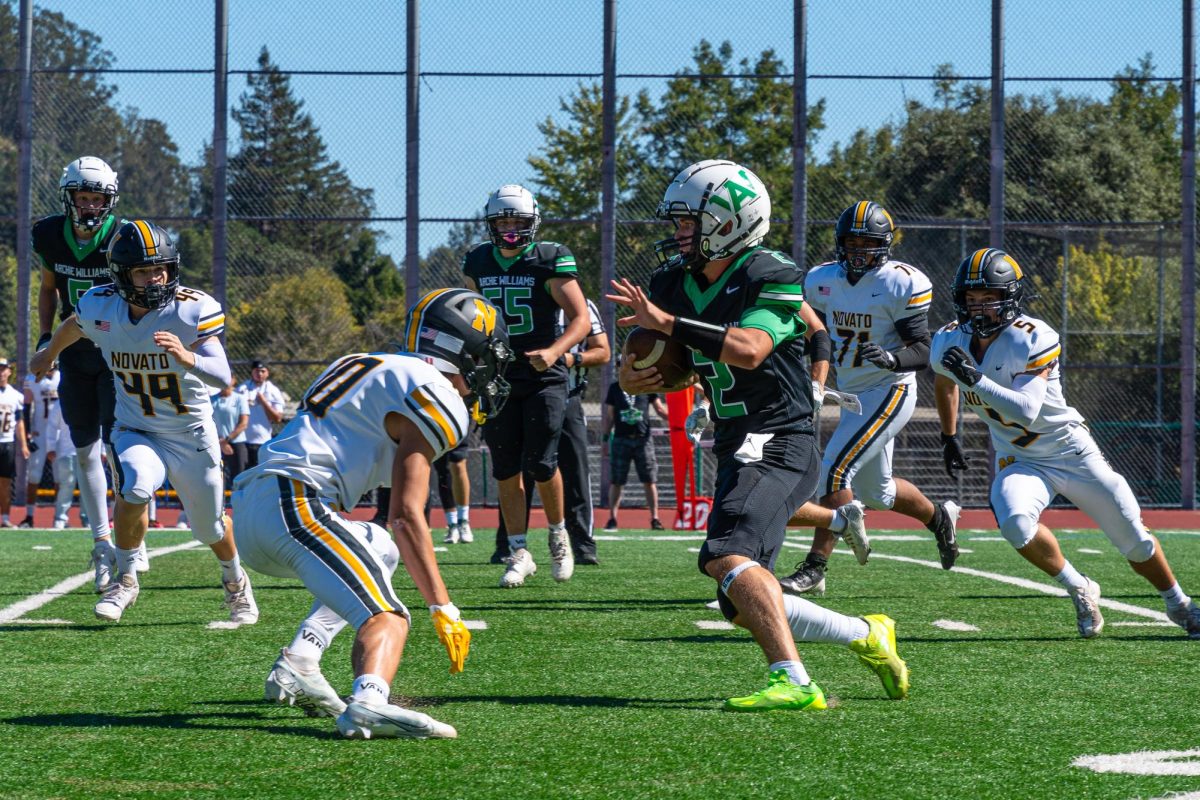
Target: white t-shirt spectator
x,y
11,403
259,430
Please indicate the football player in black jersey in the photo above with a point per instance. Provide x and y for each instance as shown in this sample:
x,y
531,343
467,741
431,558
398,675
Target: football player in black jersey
x,y
529,281
70,247
740,309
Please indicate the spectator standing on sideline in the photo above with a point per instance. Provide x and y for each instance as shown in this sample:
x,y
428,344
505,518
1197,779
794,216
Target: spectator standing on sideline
x,y
627,428
43,418
231,413
12,438
266,409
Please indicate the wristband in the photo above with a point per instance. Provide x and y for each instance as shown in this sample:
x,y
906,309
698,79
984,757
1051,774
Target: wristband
x,y
702,337
449,609
821,346
44,340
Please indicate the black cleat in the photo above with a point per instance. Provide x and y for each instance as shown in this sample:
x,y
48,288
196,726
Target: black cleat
x,y
809,578
947,540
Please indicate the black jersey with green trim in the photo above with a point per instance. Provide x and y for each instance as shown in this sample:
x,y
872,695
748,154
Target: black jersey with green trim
x,y
762,289
76,267
520,288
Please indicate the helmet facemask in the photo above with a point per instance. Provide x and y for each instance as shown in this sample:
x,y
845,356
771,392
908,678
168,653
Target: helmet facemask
x,y
988,269
88,174
512,239
139,244
858,261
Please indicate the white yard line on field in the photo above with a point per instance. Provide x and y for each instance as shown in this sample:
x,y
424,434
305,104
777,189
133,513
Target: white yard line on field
x,y
63,587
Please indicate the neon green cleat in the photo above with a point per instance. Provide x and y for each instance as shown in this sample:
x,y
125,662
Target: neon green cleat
x,y
780,693
878,652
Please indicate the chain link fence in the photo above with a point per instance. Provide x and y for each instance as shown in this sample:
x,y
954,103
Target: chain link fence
x,y
317,232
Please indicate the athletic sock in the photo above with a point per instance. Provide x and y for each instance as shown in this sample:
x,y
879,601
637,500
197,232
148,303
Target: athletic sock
x,y
558,527
516,542
795,671
316,632
1070,577
125,561
370,689
231,571
939,519
817,560
812,623
451,517
464,513
839,522
1175,597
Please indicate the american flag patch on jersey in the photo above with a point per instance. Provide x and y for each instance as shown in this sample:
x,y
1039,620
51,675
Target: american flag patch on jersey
x,y
822,290
103,324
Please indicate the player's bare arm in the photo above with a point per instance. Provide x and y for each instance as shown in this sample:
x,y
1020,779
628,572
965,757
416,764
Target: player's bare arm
x,y
47,304
746,348
569,296
598,352
67,334
945,397
19,439
406,514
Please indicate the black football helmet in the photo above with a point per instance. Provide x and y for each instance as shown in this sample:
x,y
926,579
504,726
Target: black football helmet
x,y
141,243
988,268
458,331
869,220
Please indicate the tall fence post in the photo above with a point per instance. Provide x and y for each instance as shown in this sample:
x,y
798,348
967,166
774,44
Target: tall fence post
x,y
997,140
1187,344
220,145
24,199
1065,298
412,157
800,133
608,205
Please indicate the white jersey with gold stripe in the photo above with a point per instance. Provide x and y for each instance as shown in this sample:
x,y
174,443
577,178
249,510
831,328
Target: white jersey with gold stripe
x,y
338,444
866,312
1026,346
154,392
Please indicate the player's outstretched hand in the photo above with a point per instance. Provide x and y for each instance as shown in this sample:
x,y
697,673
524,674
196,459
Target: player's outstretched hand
x,y
645,313
173,347
447,621
961,366
953,455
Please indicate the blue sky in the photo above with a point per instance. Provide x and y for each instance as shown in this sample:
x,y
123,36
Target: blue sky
x,y
477,132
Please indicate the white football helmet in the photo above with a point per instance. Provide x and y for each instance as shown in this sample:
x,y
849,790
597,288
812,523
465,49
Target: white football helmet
x,y
88,174
730,205
509,201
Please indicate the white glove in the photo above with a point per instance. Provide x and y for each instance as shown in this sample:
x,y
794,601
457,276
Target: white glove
x,y
696,422
818,393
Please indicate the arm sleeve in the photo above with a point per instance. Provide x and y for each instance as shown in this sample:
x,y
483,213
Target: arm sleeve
x,y
212,367
1021,404
915,356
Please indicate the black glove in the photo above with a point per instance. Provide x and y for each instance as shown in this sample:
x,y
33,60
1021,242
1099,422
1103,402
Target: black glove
x,y
961,366
44,340
33,445
953,456
878,356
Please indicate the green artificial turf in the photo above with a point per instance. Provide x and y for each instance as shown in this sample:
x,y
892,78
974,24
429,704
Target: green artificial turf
x,y
603,686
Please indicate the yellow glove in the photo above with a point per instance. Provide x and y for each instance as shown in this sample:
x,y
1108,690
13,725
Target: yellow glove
x,y
453,634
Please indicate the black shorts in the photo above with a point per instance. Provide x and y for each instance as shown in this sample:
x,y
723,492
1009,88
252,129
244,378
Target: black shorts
x,y
639,452
86,394
523,437
8,460
754,501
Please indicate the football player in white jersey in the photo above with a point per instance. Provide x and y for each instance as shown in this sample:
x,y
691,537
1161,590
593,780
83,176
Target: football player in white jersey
x,y
876,310
160,340
371,419
43,419
1005,365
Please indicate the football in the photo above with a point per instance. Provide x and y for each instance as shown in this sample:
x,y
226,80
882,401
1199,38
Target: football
x,y
649,348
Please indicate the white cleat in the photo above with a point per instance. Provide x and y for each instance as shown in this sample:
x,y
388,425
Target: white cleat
x,y
1087,608
104,562
141,561
239,599
562,559
119,596
465,534
451,535
289,684
855,534
1187,617
60,524
388,721
520,567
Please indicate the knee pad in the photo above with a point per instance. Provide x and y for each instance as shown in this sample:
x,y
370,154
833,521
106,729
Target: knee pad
x,y
383,544
881,499
1019,530
541,472
212,535
1141,550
